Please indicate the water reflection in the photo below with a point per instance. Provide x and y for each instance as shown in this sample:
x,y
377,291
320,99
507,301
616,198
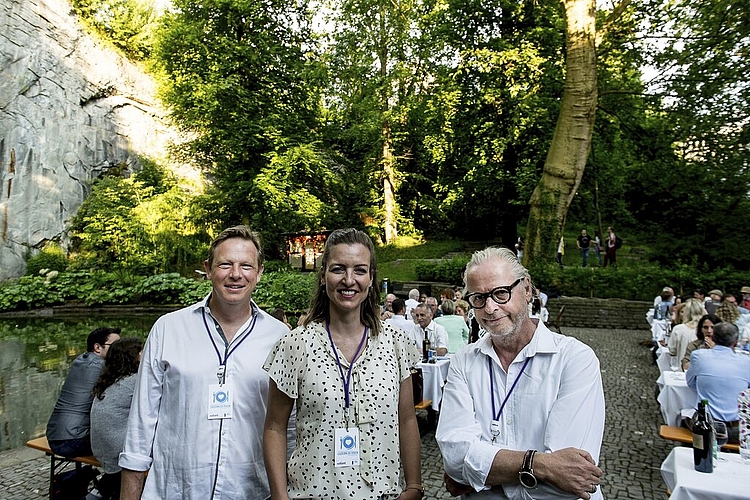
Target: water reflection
x,y
35,354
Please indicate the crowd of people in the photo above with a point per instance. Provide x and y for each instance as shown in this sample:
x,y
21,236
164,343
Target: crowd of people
x,y
224,400
708,336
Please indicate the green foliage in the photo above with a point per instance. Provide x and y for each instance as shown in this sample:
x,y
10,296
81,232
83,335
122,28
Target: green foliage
x,y
164,289
444,271
235,76
289,290
28,292
128,24
145,224
412,248
51,257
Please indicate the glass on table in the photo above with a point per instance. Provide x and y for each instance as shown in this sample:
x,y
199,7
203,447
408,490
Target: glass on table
x,y
674,364
720,431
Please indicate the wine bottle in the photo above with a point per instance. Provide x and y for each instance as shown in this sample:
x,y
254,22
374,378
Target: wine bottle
x,y
426,348
703,440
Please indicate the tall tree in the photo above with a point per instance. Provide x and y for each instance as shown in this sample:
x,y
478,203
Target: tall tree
x,y
238,79
495,70
571,142
374,68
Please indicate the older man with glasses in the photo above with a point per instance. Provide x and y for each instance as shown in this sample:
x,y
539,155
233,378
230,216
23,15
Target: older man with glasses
x,y
523,408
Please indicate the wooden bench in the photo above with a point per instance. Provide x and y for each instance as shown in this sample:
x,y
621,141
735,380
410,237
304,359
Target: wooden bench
x,y
682,435
57,461
423,405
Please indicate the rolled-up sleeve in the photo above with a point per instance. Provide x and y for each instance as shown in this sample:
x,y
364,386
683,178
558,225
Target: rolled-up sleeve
x,y
144,412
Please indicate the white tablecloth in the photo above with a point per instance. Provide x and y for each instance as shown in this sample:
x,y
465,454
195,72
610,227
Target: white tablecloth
x,y
674,396
434,375
730,480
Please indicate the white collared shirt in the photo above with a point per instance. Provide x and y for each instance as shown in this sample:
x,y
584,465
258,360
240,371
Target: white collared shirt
x,y
557,403
400,321
169,433
437,334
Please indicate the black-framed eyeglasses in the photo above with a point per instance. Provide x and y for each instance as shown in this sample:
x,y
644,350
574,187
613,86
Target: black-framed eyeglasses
x,y
500,295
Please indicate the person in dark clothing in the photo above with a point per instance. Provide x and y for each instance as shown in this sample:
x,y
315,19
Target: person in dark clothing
x,y
68,428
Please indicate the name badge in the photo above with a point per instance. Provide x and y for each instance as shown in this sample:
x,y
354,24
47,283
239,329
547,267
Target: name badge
x,y
220,401
346,447
495,429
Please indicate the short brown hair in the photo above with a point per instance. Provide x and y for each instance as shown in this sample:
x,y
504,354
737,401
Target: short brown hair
x,y
242,232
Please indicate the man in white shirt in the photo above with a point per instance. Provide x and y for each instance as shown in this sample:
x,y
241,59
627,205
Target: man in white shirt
x,y
196,421
412,302
399,316
522,413
437,334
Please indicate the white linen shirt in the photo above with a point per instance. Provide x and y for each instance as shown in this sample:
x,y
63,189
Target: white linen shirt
x,y
437,334
168,427
557,403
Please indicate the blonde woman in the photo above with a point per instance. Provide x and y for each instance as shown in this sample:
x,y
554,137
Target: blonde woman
x,y
685,332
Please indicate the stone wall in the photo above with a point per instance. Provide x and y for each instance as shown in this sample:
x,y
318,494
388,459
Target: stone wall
x,y
599,313
579,312
70,108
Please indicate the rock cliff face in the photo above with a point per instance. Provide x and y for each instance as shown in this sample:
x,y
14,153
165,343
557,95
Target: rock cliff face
x,y
69,110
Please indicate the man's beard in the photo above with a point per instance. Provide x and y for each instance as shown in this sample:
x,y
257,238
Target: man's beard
x,y
509,332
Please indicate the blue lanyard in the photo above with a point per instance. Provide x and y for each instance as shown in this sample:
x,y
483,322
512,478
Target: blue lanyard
x,y
346,380
223,363
507,396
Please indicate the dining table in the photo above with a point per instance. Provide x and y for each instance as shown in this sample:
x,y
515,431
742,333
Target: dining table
x,y
676,399
730,479
433,379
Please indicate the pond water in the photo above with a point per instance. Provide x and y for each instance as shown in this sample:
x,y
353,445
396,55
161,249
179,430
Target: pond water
x,y
35,354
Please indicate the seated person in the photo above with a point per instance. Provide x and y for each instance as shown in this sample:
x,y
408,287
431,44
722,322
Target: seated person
x,y
113,394
399,316
68,426
426,327
458,330
720,375
705,340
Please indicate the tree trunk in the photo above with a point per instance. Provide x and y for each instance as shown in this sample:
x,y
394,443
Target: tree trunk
x,y
571,142
389,177
389,191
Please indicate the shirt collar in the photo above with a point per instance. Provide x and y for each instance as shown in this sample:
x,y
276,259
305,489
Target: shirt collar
x,y
543,342
203,304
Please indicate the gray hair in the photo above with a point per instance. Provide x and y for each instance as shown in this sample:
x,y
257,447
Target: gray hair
x,y
726,334
448,307
501,253
414,294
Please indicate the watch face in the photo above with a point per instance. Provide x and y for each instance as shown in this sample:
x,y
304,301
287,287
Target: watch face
x,y
527,479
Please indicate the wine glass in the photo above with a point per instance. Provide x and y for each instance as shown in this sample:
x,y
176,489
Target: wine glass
x,y
674,364
720,430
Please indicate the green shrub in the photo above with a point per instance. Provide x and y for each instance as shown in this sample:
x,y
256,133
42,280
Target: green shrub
x,y
51,257
28,292
444,271
290,290
165,289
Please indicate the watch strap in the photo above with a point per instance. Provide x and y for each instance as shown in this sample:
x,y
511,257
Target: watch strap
x,y
528,461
